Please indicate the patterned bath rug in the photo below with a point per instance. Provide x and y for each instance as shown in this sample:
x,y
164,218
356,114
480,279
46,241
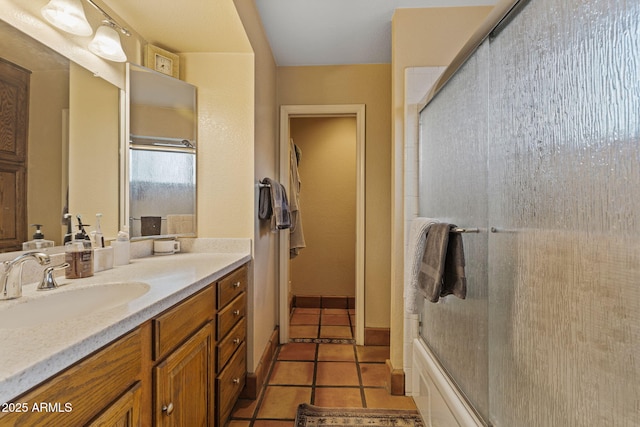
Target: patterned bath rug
x,y
315,416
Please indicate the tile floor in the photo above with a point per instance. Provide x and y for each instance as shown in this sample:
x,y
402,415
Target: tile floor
x,y
322,367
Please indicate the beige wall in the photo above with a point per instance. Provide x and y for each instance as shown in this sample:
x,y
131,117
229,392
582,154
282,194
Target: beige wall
x,y
420,38
49,97
328,204
225,142
367,84
94,133
263,295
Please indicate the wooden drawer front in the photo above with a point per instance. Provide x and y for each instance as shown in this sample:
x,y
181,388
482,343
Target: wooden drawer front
x,y
231,314
125,412
88,387
179,322
231,343
230,383
231,286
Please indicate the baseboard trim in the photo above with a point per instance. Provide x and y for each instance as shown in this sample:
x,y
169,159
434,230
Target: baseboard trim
x,y
255,380
328,301
395,382
377,336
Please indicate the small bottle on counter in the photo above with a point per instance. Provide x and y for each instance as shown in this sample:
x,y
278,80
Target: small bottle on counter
x,y
121,249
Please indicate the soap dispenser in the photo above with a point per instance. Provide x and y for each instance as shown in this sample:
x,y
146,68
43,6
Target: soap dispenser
x,y
38,241
79,255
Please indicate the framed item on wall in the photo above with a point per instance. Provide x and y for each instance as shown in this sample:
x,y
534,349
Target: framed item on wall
x,y
162,61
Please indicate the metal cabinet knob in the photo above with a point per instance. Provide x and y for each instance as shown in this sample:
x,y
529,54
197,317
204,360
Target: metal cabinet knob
x,y
236,312
168,409
236,341
236,285
236,380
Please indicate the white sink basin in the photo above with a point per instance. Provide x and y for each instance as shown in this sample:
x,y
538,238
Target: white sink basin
x,y
54,306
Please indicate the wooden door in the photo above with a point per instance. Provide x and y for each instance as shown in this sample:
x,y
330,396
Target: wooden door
x,y
14,124
184,383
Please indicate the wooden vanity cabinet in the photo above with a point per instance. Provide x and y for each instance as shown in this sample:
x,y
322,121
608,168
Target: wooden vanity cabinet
x,y
87,393
185,367
200,355
183,378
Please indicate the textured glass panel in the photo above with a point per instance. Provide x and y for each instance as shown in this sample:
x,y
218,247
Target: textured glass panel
x,y
564,179
453,188
162,183
563,184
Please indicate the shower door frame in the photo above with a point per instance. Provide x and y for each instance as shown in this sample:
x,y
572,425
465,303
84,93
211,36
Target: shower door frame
x,y
288,112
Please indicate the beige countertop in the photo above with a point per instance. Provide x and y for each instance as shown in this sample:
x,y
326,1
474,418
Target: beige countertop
x,y
32,353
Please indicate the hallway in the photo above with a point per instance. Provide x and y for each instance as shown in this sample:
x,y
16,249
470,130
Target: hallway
x,y
321,369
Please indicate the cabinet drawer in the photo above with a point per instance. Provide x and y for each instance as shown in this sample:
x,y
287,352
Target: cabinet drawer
x,y
230,343
230,383
179,322
231,286
83,390
231,314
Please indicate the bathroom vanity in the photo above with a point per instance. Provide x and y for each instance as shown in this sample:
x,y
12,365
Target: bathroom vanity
x,y
174,353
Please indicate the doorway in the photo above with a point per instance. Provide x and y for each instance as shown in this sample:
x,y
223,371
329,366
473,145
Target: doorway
x,y
289,113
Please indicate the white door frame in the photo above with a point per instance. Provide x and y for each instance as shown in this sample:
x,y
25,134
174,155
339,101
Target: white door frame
x,y
344,110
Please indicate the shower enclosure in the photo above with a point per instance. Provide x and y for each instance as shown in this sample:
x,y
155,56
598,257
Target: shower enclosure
x,y
536,141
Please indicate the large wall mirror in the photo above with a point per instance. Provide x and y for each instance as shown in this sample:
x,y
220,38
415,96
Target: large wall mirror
x,y
162,155
72,145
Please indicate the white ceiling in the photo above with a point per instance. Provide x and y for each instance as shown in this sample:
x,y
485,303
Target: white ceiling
x,y
332,32
300,32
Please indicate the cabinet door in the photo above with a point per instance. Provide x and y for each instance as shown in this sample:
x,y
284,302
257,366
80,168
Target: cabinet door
x,y
184,394
124,412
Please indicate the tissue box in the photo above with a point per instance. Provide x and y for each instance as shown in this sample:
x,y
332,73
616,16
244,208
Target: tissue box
x,y
102,259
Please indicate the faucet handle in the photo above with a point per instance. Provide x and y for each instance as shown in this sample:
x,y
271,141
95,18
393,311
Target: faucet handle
x,y
48,282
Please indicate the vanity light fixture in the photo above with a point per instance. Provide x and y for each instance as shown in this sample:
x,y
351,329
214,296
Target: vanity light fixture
x,y
106,43
68,15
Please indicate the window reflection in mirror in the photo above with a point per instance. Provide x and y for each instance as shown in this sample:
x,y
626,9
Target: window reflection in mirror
x,y
162,155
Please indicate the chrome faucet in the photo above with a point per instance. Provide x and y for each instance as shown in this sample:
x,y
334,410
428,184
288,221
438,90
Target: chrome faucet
x,y
12,285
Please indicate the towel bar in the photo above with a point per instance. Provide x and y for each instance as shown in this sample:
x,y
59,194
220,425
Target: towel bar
x,y
263,185
465,230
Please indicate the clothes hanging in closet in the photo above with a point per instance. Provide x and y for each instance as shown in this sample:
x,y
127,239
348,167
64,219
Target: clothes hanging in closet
x,y
296,238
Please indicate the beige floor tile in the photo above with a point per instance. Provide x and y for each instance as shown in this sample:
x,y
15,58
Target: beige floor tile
x,y
335,332
380,398
297,351
335,319
373,353
374,374
292,373
337,373
296,331
244,408
338,397
282,402
304,319
336,353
